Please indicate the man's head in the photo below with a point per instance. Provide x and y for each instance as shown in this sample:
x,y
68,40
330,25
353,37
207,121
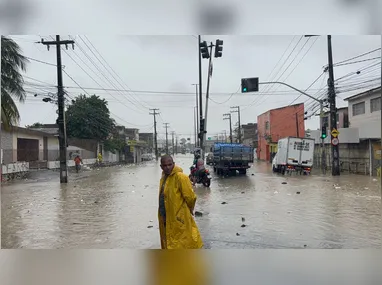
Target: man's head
x,y
167,164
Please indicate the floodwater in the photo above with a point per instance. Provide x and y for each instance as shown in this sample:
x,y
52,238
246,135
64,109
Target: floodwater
x,y
116,207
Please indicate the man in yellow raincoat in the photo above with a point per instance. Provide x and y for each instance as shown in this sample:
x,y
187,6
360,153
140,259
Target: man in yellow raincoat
x,y
177,199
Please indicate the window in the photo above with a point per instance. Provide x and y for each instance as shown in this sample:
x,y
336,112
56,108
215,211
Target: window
x,y
267,125
375,104
358,109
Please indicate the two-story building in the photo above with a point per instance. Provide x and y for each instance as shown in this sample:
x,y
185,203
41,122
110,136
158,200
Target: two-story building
x,y
249,134
342,118
365,115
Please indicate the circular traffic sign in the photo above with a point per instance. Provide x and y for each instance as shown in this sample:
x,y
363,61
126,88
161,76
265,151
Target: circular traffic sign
x,y
335,141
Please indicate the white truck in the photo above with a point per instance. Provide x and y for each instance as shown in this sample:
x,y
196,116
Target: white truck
x,y
294,155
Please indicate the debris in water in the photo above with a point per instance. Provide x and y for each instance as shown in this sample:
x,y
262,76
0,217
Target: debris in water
x,y
305,245
223,203
198,214
253,174
283,183
375,179
151,221
242,192
366,188
95,202
298,192
243,219
243,226
237,234
149,227
275,192
337,187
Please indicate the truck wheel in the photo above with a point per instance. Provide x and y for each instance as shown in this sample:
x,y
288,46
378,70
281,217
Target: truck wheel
x,y
274,169
283,170
214,169
243,171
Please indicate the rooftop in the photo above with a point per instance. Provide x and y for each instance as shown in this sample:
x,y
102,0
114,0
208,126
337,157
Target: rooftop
x,y
366,93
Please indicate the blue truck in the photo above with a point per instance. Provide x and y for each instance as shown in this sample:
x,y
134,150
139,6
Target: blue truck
x,y
231,157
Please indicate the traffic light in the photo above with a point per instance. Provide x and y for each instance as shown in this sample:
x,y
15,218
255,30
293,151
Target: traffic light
x,y
204,50
249,85
218,48
323,132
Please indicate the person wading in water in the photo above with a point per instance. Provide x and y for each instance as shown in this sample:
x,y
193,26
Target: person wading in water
x,y
177,227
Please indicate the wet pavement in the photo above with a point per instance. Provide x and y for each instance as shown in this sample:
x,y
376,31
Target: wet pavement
x,y
116,207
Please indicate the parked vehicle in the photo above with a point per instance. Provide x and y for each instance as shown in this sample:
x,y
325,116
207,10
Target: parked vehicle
x,y
229,158
147,157
204,178
294,155
210,159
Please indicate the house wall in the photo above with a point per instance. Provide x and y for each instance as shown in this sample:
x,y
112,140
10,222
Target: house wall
x,y
20,135
283,122
111,157
7,148
342,115
369,123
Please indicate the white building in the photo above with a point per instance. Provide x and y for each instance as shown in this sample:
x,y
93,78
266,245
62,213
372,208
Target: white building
x,y
365,113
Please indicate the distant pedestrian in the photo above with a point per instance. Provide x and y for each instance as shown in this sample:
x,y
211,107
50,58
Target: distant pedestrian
x,y
177,200
78,162
99,158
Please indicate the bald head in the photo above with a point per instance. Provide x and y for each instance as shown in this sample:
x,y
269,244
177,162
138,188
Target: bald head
x,y
167,164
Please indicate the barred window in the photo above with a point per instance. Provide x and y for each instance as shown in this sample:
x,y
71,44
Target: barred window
x,y
267,125
375,104
358,109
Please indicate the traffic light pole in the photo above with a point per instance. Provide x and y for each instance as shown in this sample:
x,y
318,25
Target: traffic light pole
x,y
207,97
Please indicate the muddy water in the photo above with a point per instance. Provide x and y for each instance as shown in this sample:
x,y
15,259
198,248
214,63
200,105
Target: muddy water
x,y
117,208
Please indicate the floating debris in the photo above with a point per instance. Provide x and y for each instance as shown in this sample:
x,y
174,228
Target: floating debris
x,y
243,226
223,203
237,234
284,183
198,214
243,219
149,227
298,192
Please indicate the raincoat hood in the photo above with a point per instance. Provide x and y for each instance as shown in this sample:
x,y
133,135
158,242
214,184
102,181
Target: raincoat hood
x,y
176,169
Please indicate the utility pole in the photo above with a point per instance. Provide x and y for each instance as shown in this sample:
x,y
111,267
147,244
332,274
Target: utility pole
x,y
228,116
154,113
173,142
61,106
297,130
238,114
195,127
333,110
197,108
200,93
166,126
323,150
176,145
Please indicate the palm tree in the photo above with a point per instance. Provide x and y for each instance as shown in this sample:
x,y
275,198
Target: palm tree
x,y
12,63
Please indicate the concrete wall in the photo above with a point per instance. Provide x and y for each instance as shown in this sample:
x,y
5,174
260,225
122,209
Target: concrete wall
x,y
7,148
262,133
354,157
110,157
70,163
16,167
369,123
347,135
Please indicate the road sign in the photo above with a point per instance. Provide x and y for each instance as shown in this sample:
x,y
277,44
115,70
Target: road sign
x,y
335,133
335,141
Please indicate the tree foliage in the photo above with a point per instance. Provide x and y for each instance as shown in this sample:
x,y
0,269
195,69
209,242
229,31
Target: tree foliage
x,y
114,144
12,63
89,118
35,125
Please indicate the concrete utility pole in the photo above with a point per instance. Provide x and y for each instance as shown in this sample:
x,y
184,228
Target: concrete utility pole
x,y
176,145
61,106
238,114
154,113
228,116
333,111
173,142
166,126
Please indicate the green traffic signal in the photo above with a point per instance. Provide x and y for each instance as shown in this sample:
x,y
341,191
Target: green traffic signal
x,y
323,136
244,89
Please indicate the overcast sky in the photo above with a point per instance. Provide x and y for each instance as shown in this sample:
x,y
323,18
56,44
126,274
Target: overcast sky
x,y
170,64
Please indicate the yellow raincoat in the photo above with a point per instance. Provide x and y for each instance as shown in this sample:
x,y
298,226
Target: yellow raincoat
x,y
181,231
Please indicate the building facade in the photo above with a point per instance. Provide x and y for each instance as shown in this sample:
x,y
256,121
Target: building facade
x,y
249,134
342,118
276,124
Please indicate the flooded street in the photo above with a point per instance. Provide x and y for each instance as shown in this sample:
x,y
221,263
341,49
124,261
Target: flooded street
x,y
116,207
